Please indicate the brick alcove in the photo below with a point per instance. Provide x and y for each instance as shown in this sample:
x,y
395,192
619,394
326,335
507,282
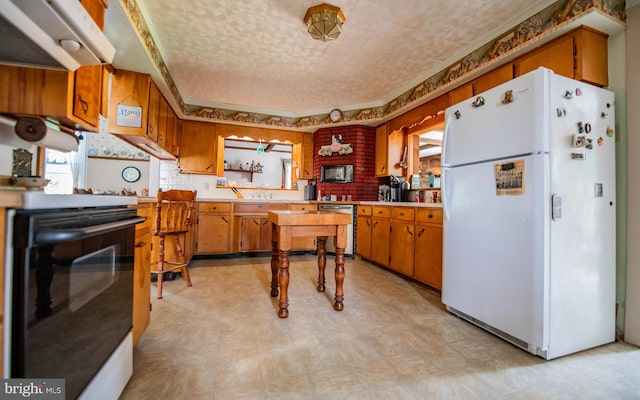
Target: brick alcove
x,y
363,140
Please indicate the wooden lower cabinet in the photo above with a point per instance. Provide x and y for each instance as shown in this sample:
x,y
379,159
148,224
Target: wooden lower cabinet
x,y
363,237
428,247
428,255
142,274
249,230
380,234
402,240
407,240
214,228
214,234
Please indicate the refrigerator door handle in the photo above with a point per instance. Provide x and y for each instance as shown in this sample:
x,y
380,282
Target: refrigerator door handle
x,y
445,196
445,139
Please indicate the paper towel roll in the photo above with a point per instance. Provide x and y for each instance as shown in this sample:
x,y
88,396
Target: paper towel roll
x,y
52,139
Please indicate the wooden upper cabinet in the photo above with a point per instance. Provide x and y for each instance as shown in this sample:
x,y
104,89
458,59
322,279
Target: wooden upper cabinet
x,y
461,93
389,148
73,98
557,56
306,172
591,56
580,54
86,99
198,143
154,110
130,89
134,89
96,9
493,78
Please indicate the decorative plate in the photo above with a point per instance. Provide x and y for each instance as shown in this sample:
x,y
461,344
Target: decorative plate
x,y
92,152
140,154
107,152
124,153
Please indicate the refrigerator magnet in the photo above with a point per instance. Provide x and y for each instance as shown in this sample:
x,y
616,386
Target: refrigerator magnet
x,y
508,97
609,131
578,92
568,94
587,127
600,141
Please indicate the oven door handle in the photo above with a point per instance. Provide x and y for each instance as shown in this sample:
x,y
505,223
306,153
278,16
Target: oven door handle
x,y
62,235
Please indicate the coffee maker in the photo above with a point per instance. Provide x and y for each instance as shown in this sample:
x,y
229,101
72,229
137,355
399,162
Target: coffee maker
x,y
310,190
398,188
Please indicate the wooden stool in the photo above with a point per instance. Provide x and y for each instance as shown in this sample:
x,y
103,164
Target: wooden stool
x,y
174,215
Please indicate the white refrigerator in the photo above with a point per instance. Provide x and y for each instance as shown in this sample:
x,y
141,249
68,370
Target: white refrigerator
x,y
528,198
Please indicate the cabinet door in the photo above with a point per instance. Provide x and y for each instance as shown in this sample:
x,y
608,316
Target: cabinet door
x,y
591,56
363,237
492,79
163,109
460,94
265,234
214,234
557,56
381,150
142,273
307,156
380,237
389,151
197,148
402,237
129,88
154,110
87,94
141,286
428,255
250,229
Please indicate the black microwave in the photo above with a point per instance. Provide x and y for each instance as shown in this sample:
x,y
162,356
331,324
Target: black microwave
x,y
336,173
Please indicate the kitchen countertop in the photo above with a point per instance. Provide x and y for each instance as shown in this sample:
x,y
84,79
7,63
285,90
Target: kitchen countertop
x,y
294,201
37,199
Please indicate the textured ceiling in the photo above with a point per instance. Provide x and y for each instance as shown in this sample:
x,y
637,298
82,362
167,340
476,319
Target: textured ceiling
x,y
255,55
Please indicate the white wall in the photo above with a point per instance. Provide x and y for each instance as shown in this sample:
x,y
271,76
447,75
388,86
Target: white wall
x,y
272,167
632,313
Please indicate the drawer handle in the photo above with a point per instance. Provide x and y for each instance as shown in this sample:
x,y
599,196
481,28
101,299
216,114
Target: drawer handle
x,y
402,214
421,232
225,220
141,244
409,231
368,223
430,216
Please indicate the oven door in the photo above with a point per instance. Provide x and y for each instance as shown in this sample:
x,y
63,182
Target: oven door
x,y
72,294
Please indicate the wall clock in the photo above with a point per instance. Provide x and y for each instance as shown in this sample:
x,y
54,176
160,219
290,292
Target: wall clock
x,y
335,115
131,174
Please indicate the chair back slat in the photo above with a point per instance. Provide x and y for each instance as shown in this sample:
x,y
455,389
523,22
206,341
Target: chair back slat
x,y
175,210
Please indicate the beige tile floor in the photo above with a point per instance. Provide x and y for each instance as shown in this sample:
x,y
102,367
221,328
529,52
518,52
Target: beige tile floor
x,y
221,339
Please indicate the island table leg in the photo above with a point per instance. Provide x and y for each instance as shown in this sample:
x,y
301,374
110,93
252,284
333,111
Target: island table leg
x,y
322,261
339,273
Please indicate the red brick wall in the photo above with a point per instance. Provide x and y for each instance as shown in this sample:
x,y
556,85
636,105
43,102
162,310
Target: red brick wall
x,y
363,140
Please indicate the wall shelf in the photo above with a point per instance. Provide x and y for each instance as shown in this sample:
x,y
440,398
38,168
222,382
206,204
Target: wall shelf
x,y
245,171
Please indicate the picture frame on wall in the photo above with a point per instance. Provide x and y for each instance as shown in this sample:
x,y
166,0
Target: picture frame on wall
x,y
221,182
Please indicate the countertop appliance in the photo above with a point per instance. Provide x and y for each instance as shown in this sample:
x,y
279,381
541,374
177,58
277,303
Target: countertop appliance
x,y
57,34
344,209
69,291
529,213
342,173
398,188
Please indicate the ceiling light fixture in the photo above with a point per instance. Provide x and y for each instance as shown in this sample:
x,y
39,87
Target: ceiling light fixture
x,y
324,22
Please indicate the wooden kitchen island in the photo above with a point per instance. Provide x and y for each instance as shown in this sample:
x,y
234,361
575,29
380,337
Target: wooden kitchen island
x,y
287,224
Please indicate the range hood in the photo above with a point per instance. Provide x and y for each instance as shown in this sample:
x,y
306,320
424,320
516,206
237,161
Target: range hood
x,y
57,34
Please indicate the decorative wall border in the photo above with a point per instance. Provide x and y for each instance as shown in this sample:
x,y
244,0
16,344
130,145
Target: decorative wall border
x,y
542,24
